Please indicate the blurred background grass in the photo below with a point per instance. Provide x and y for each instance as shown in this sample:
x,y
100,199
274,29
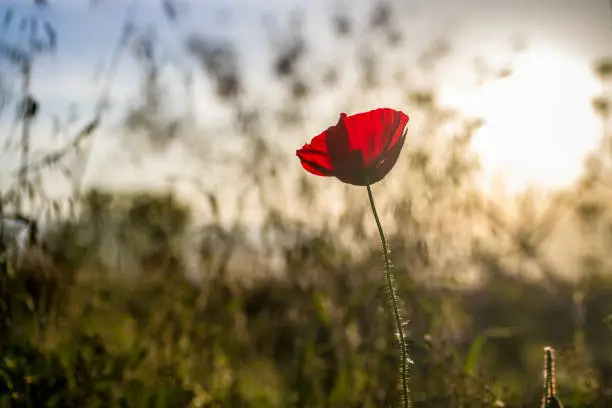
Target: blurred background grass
x,y
144,297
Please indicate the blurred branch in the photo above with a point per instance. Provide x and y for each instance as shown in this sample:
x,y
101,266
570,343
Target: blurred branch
x,y
50,159
26,118
27,112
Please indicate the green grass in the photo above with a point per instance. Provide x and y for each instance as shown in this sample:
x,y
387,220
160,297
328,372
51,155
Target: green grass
x,y
79,333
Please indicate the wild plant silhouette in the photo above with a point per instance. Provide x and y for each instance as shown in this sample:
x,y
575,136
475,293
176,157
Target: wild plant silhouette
x,y
129,299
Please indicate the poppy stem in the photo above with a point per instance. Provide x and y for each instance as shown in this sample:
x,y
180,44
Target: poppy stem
x,y
394,300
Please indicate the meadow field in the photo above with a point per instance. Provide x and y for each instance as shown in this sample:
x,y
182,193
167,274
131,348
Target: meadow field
x,y
236,279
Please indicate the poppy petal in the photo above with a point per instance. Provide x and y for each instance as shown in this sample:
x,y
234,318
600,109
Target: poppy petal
x,y
375,131
315,158
384,166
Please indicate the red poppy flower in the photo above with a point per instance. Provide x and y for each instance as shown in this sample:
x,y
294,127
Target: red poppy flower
x,y
360,149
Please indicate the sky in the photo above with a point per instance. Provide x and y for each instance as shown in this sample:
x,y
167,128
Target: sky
x,y
542,109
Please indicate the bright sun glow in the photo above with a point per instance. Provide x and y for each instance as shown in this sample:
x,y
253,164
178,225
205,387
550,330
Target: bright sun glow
x,y
538,122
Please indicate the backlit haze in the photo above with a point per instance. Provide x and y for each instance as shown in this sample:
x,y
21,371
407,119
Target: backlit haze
x,y
542,110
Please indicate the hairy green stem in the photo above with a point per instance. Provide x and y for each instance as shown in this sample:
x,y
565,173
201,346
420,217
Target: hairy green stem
x,y
394,304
